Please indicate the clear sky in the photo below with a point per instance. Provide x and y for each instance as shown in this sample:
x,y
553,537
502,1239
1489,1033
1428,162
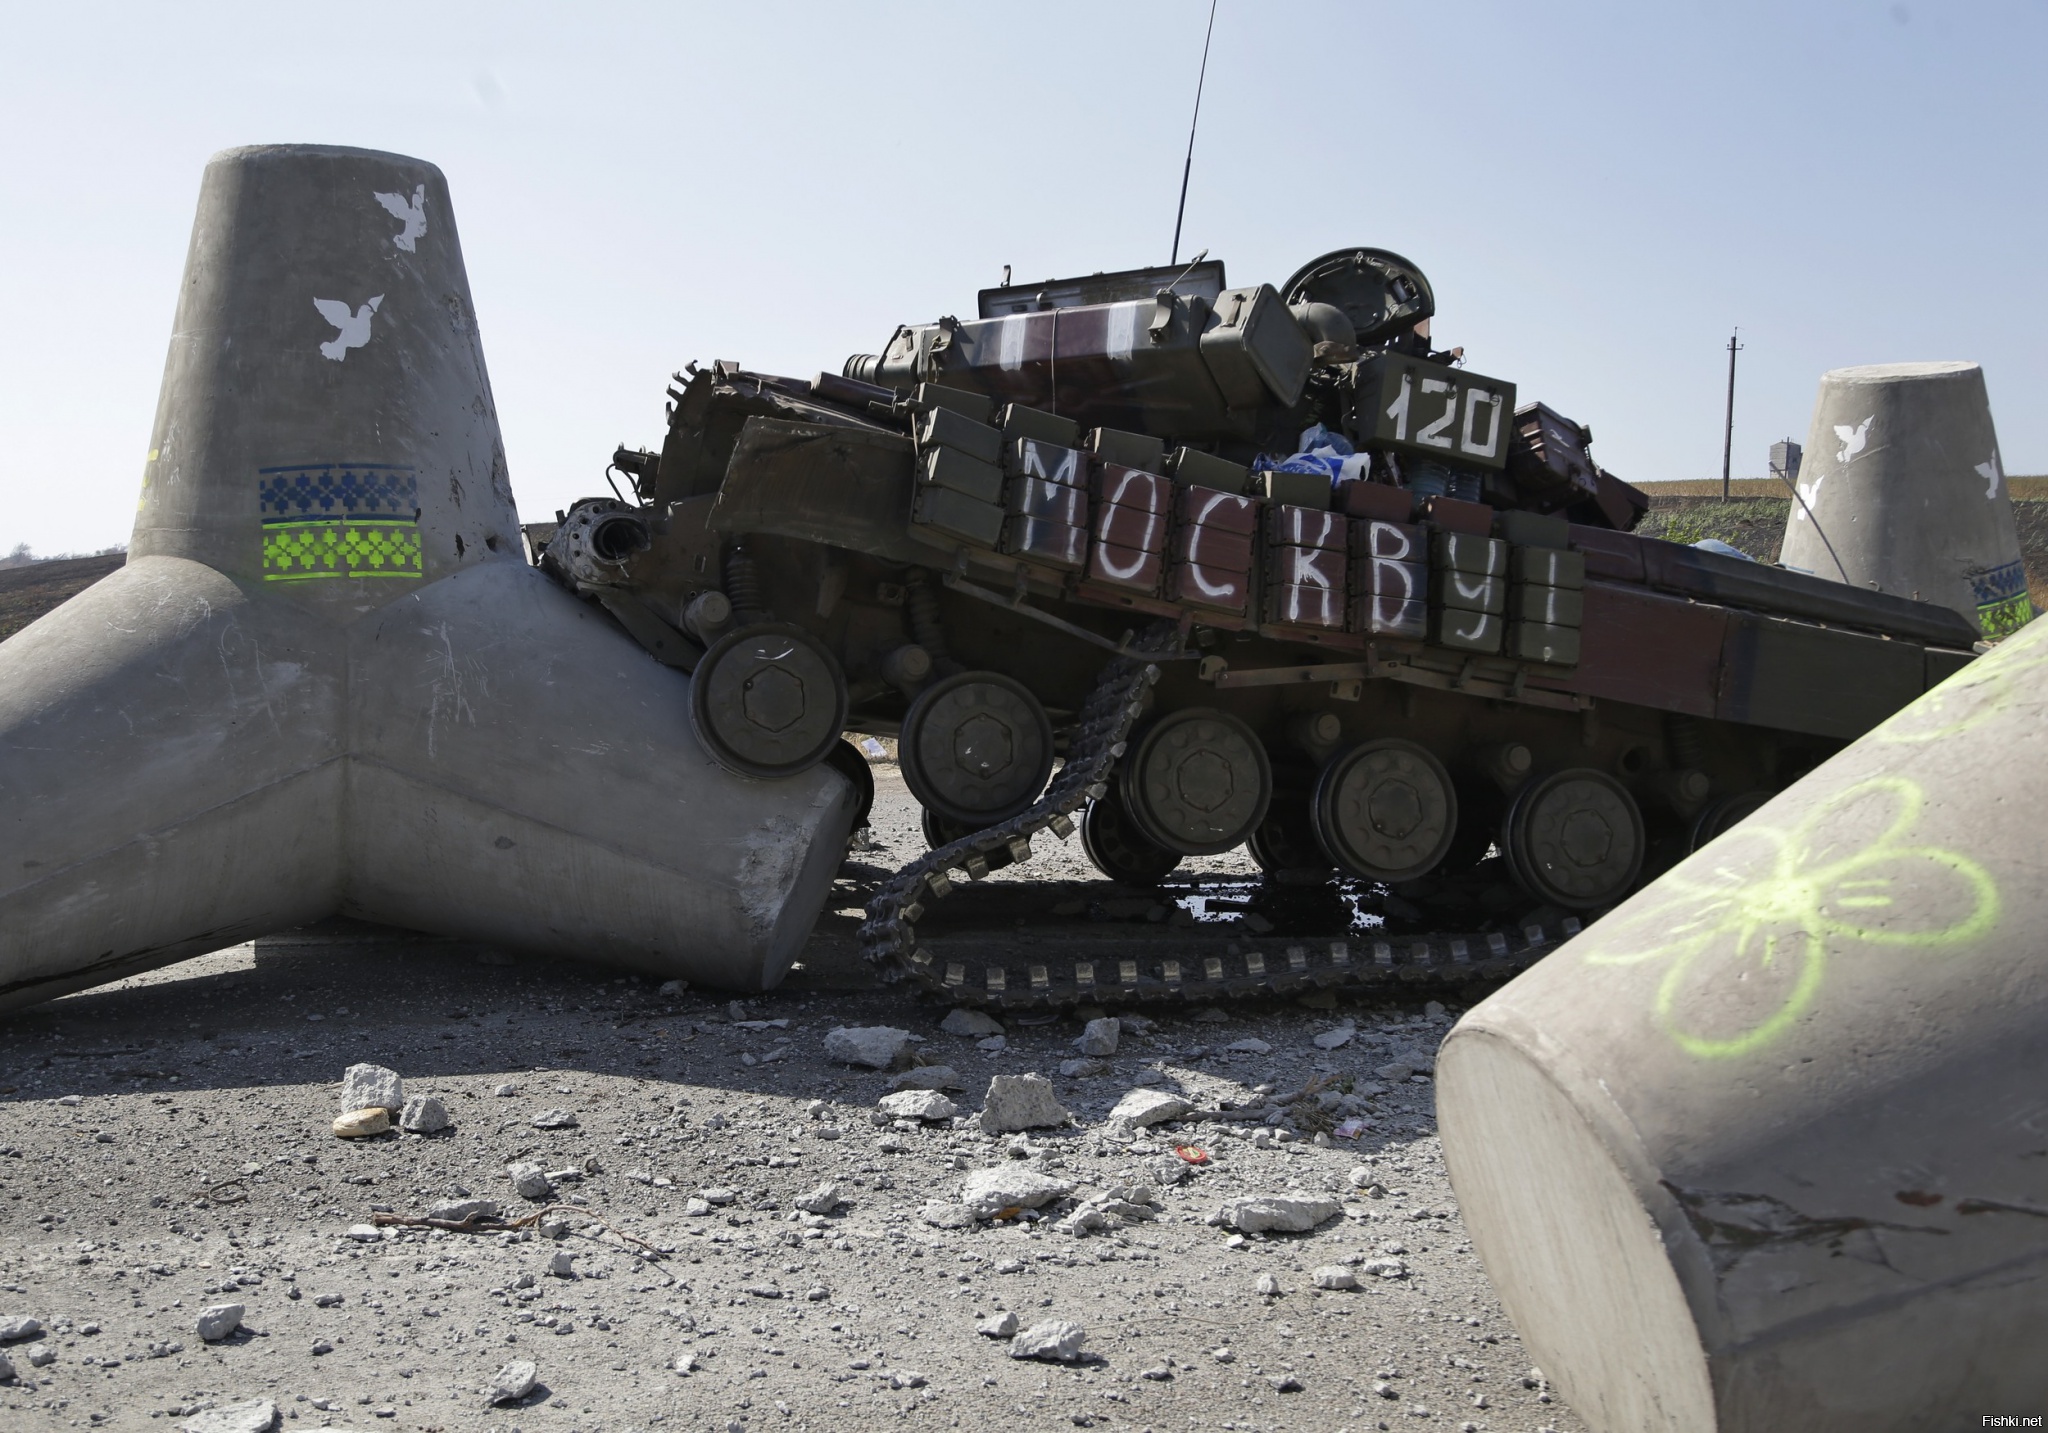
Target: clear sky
x,y
1598,193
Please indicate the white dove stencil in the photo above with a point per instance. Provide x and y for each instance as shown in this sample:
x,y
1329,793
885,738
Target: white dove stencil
x,y
1990,472
412,212
1853,439
1809,494
355,327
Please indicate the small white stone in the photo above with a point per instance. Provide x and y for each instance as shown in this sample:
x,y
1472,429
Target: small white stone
x,y
530,1180
220,1320
987,1192
1267,1285
1286,1213
423,1114
562,1264
365,1085
361,1124
364,1233
942,1215
994,1044
975,1024
13,1330
554,1119
1098,1037
1334,1276
1249,1047
718,1194
1434,1010
460,1211
685,1363
928,1077
1021,1102
1000,1325
1083,1067
1335,1039
514,1381
822,1200
504,1092
918,1105
1395,1071
1056,1340
1147,1107
258,1415
875,1046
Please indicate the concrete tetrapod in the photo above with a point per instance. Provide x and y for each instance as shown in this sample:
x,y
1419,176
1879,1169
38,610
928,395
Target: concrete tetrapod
x,y
1764,1149
326,681
1905,484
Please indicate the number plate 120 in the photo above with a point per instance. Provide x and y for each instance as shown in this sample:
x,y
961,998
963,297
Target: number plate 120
x,y
1412,406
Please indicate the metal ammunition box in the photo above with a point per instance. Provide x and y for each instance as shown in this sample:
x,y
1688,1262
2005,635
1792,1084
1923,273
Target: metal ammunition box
x,y
944,428
949,468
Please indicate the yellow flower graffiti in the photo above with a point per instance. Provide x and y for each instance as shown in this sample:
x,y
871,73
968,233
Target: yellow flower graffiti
x,y
1981,690
1748,925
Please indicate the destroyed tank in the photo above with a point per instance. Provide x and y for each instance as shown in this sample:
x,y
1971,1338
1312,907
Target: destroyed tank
x,y
1248,566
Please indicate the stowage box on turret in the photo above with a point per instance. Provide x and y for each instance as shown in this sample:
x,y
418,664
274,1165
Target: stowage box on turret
x,y
1252,566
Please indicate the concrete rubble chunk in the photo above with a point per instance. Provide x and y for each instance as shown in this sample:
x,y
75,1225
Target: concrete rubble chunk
x,y
1249,1047
1335,1039
987,1192
919,1105
1395,1071
1266,1285
1055,1341
562,1264
928,1077
554,1119
220,1320
530,1180
1147,1107
12,1330
1282,1213
6,1368
1334,1276
974,1024
875,1046
1384,1268
361,1124
423,1114
513,1382
365,1085
1083,1067
822,1200
1117,1207
941,1214
1000,1325
257,1415
1021,1102
1098,1037
462,1210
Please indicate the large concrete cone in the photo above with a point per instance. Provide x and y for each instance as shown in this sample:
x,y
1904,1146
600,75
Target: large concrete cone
x,y
1767,1148
1903,478
326,681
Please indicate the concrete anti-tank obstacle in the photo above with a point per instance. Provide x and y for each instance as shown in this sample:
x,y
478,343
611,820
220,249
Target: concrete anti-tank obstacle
x,y
326,681
1904,481
1767,1147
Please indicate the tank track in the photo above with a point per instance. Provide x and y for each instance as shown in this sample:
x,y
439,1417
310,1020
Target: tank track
x,y
1215,969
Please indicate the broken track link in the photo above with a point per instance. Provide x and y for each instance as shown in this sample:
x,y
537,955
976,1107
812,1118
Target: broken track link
x,y
1212,969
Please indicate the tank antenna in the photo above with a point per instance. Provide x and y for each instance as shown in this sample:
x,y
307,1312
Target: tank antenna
x,y
1188,167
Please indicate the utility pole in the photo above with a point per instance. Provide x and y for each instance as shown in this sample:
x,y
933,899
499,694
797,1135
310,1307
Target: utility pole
x,y
1728,430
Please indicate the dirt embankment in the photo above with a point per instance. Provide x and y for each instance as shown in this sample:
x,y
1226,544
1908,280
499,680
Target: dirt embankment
x,y
26,593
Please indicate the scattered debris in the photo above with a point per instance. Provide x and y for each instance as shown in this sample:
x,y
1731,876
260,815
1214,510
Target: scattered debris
x,y
423,1114
530,1180
1148,1107
1055,1341
219,1321
988,1192
513,1382
875,1046
554,1119
1285,1213
1334,1276
1098,1037
258,1415
1021,1102
928,1077
975,1024
918,1105
361,1124
365,1085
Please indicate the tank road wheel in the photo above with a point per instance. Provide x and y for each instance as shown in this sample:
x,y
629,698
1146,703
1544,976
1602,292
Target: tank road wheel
x,y
1285,846
768,700
976,749
1385,811
1574,839
1118,848
845,758
1719,816
1198,782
